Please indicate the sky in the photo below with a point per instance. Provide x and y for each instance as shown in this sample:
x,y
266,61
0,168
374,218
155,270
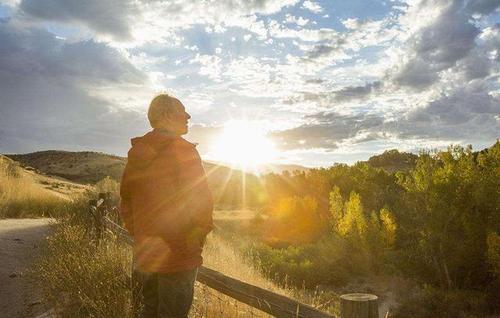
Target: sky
x,y
324,81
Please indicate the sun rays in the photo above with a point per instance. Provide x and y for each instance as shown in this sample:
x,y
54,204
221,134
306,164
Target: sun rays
x,y
243,145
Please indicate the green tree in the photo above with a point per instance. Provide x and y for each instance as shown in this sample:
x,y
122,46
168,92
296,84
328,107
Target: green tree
x,y
336,207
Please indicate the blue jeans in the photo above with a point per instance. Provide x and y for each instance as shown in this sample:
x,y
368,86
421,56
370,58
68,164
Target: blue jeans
x,y
167,295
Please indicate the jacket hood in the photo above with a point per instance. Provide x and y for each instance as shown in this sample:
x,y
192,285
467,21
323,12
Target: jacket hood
x,y
146,148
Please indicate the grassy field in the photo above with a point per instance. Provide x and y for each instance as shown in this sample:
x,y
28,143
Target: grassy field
x,y
82,279
24,193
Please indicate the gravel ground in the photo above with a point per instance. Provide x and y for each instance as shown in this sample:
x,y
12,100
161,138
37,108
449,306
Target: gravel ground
x,y
20,241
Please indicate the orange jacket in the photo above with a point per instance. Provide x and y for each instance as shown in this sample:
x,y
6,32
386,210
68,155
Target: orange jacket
x,y
165,203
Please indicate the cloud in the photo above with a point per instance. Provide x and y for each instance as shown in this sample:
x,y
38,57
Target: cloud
x,y
312,6
141,21
51,93
482,6
467,113
300,21
357,92
326,130
440,44
112,17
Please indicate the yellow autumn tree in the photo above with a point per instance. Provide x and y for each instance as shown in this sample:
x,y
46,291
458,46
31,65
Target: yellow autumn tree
x,y
336,207
388,227
353,223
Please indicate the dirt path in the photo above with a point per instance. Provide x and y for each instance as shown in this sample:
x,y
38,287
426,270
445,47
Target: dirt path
x,y
20,241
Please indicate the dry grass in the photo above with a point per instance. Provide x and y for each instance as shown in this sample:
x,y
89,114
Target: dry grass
x,y
20,196
81,279
222,256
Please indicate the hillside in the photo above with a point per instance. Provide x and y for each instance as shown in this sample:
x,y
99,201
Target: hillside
x,y
81,167
90,167
393,160
45,184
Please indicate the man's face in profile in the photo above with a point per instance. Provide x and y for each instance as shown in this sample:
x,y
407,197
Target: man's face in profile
x,y
177,119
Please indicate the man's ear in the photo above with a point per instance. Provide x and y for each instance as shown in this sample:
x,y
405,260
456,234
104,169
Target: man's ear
x,y
167,116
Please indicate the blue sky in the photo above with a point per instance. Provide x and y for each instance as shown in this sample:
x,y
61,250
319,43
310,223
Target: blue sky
x,y
326,81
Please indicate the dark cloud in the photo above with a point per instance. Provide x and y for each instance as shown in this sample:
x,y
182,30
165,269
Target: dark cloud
x,y
475,66
326,130
321,50
110,17
438,46
357,92
46,97
482,6
467,113
330,98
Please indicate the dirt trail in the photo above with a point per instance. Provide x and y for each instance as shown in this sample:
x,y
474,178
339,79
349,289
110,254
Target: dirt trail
x,y
20,241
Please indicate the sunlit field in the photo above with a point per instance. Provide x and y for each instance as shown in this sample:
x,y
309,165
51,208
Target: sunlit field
x,y
72,265
20,196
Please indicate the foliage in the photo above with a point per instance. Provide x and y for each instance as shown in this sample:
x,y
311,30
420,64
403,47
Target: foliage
x,y
430,301
393,160
436,221
293,220
451,201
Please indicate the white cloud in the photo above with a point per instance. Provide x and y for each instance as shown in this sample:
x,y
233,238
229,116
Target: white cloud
x,y
211,66
300,21
137,22
312,6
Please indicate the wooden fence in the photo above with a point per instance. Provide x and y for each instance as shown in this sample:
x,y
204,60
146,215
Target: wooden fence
x,y
352,305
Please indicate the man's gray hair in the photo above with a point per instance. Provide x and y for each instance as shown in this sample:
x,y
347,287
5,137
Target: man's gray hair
x,y
160,105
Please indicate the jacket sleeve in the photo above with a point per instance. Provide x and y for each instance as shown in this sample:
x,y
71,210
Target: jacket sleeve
x,y
125,201
197,201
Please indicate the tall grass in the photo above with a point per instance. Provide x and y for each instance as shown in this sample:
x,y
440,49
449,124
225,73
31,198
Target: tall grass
x,y
222,255
21,197
82,279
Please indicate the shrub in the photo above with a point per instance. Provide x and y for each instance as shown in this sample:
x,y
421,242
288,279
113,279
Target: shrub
x,y
432,302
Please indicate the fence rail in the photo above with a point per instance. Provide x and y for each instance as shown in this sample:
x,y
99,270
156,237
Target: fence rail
x,y
352,305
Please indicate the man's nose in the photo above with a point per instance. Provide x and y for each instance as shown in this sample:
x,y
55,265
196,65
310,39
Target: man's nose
x,y
188,116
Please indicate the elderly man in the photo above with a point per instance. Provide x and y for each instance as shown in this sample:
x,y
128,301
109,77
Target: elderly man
x,y
167,207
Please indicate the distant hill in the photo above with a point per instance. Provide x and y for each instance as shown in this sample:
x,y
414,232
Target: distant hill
x,y
34,181
393,160
90,167
268,168
279,168
81,167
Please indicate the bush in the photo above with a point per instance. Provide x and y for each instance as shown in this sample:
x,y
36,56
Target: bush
x,y
329,261
430,302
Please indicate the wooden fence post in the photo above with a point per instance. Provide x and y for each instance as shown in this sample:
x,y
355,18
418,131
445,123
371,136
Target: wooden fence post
x,y
358,306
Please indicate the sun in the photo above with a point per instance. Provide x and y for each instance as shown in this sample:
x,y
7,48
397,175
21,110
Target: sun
x,y
243,144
